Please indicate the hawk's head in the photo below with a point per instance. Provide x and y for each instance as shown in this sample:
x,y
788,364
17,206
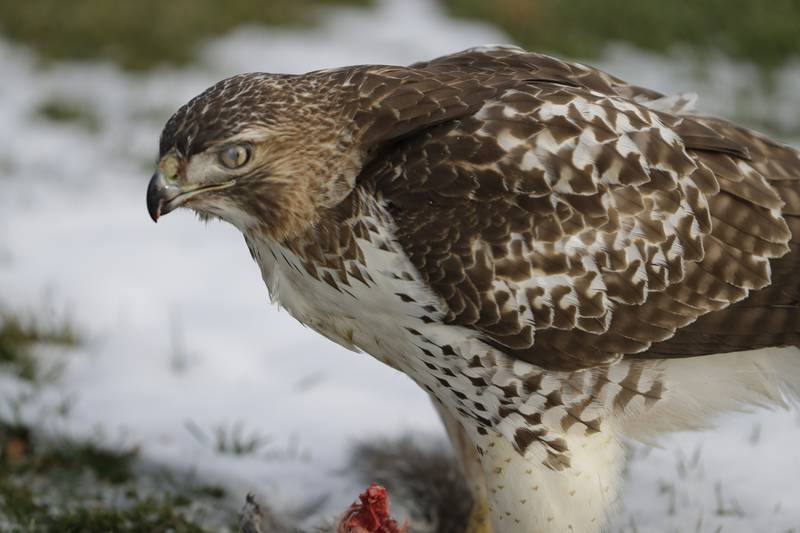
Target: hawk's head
x,y
261,151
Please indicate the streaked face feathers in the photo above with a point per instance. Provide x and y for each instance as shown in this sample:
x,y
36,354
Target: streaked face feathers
x,y
259,151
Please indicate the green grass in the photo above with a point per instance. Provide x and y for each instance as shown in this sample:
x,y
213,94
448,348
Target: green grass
x,y
22,454
142,514
142,34
51,482
230,439
18,337
147,33
82,486
765,33
68,112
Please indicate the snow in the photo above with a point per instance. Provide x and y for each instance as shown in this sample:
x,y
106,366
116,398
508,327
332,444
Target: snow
x,y
180,333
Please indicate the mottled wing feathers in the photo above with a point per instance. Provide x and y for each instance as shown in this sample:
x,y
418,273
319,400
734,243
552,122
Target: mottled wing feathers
x,y
571,221
396,101
770,179
515,62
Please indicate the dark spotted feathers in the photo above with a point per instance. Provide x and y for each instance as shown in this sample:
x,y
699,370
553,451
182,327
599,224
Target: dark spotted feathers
x,y
571,221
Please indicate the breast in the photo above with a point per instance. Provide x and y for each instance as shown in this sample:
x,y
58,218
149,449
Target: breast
x,y
365,295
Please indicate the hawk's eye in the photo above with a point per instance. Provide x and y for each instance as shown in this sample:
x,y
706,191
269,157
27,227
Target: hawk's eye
x,y
234,156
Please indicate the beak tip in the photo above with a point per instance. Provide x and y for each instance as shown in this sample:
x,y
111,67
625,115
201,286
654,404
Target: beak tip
x,y
154,209
155,199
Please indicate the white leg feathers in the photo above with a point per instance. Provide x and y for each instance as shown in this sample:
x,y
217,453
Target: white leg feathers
x,y
527,496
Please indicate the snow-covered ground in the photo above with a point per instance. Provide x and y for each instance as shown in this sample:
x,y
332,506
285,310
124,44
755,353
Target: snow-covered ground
x,y
181,339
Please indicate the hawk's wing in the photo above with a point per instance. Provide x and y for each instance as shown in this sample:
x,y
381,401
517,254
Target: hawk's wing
x,y
570,224
770,316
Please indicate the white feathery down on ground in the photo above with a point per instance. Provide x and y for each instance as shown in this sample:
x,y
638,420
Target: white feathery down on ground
x,y
178,322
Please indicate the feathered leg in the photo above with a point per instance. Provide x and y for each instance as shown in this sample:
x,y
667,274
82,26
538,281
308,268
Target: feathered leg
x,y
479,520
529,493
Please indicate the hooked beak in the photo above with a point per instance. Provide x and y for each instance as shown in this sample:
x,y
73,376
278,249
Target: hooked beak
x,y
163,197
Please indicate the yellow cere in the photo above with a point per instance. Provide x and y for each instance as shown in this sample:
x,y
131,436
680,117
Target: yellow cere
x,y
169,166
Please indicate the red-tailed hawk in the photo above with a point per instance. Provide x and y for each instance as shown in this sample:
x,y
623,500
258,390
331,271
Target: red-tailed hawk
x,y
560,259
